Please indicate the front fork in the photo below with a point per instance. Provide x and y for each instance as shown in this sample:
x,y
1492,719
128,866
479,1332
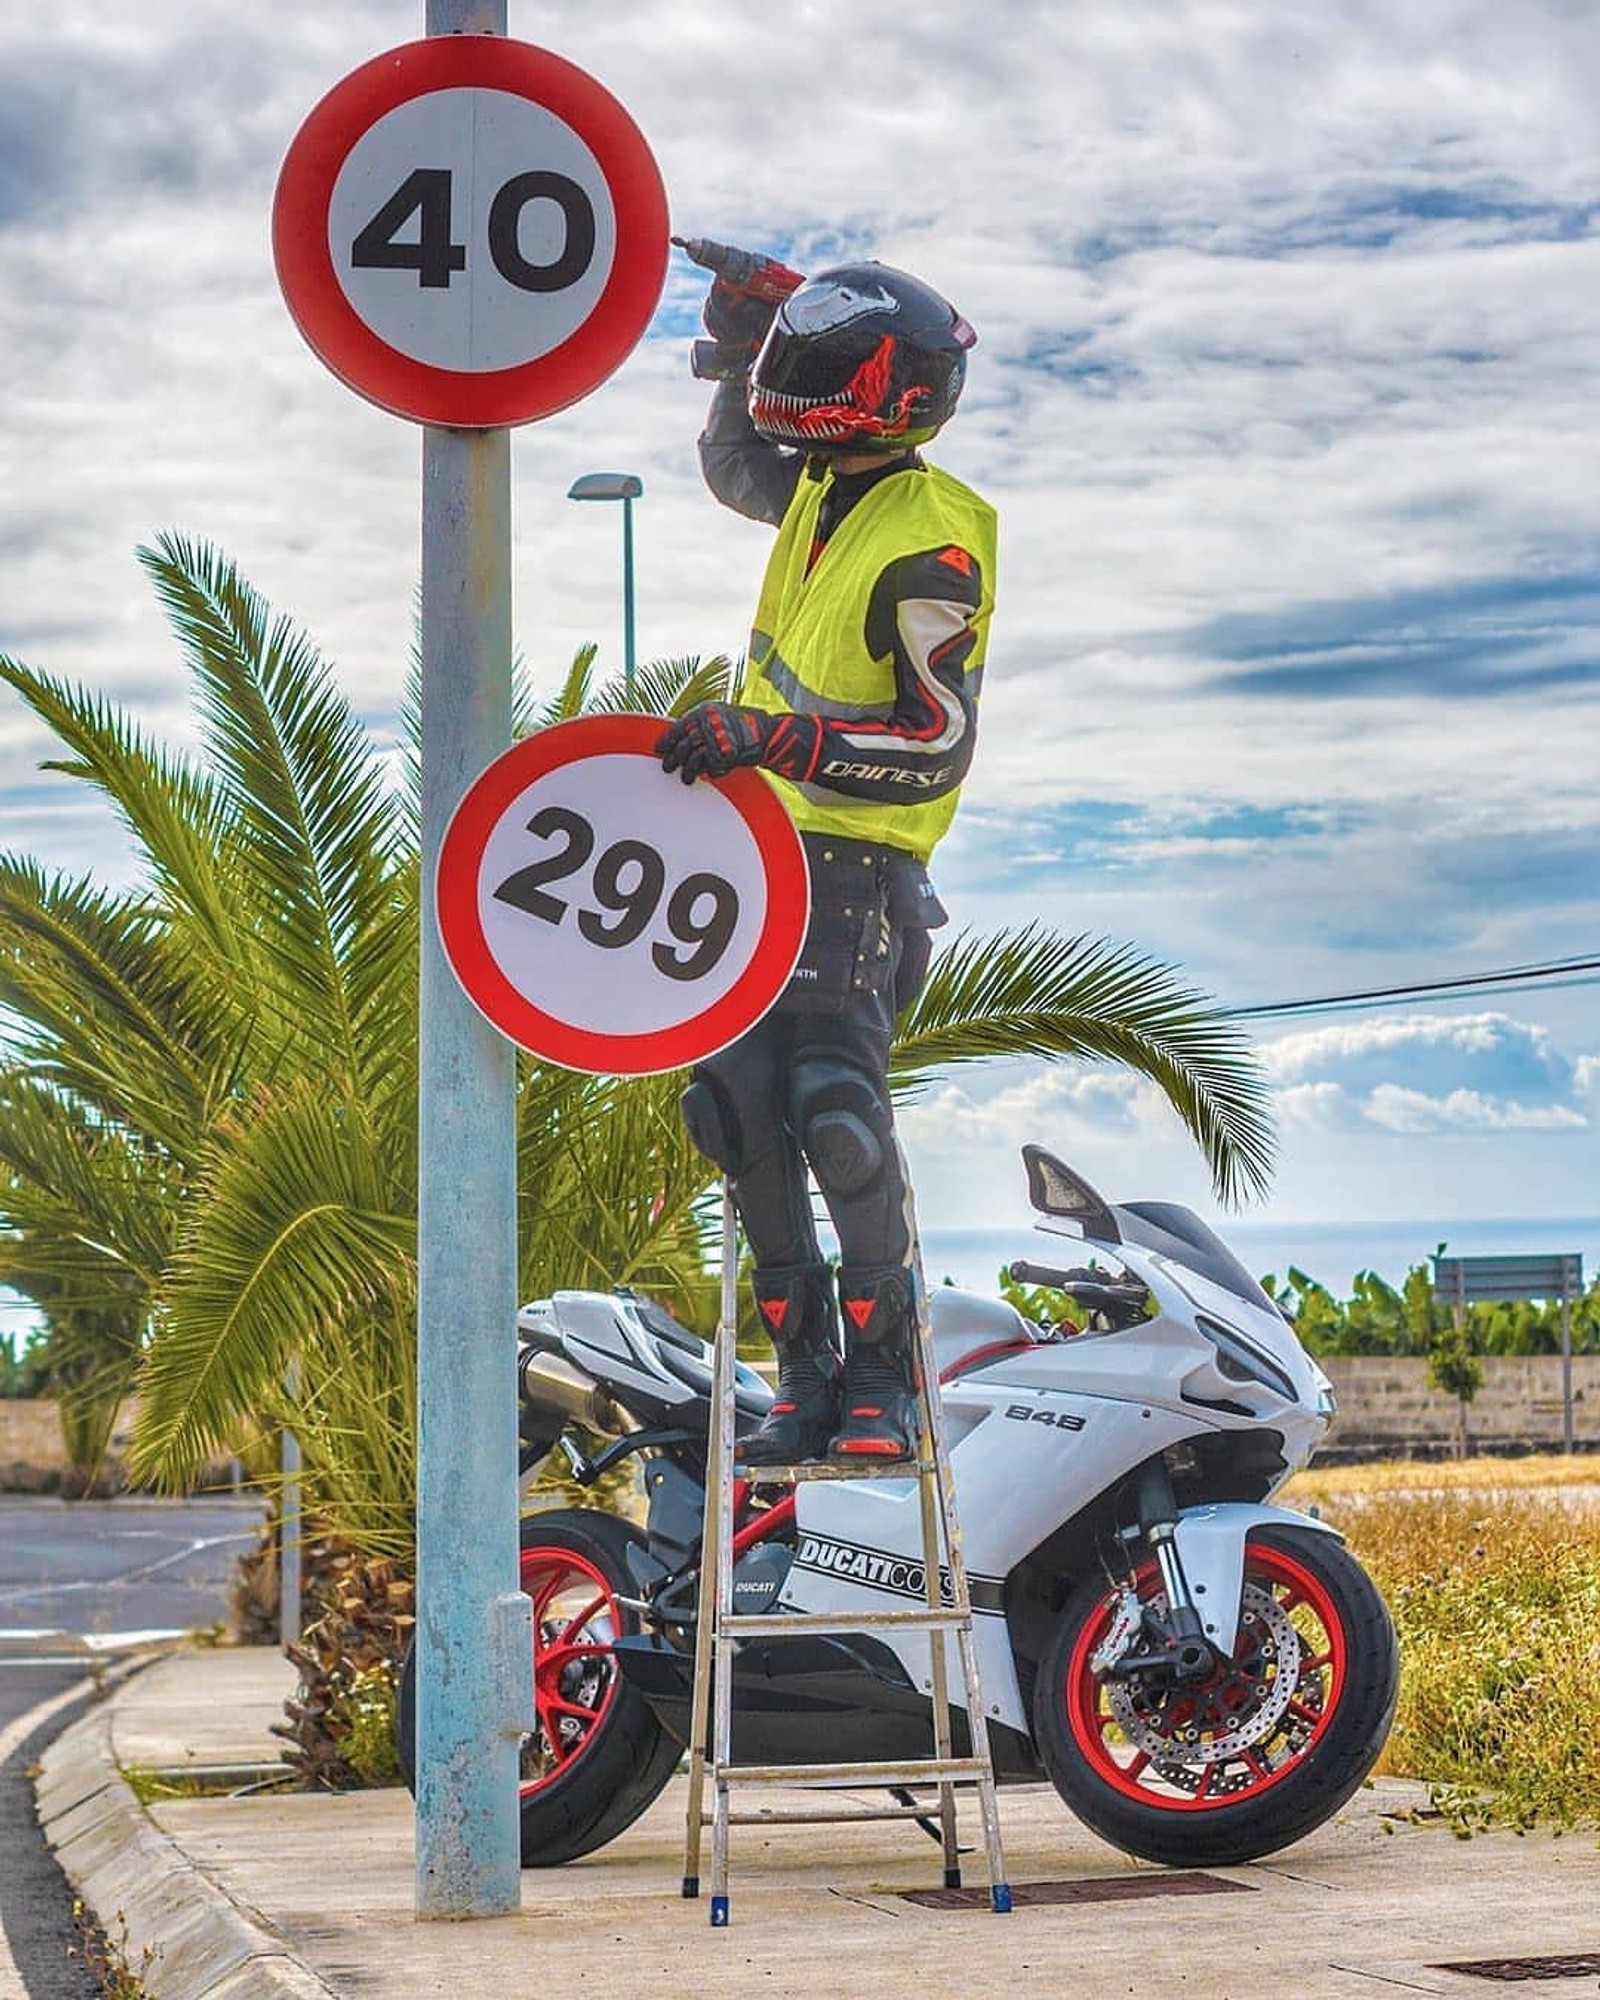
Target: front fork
x,y
1172,1643
1200,1557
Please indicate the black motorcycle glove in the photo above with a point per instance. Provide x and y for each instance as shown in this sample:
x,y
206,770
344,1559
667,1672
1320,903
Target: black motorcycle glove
x,y
736,316
719,736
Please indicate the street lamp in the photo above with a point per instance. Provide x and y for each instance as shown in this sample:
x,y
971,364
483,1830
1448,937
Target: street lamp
x,y
626,487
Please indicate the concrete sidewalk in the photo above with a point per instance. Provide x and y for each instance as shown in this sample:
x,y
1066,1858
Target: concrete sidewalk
x,y
300,1896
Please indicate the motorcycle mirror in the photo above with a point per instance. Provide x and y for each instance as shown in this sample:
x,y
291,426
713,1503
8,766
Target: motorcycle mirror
x,y
1054,1189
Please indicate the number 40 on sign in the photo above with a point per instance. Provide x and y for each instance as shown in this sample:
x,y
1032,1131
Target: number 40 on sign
x,y
470,231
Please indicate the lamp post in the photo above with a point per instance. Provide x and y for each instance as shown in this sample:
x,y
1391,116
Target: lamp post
x,y
626,487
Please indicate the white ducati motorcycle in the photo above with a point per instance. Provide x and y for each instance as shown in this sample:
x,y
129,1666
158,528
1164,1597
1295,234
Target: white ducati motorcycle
x,y
1203,1676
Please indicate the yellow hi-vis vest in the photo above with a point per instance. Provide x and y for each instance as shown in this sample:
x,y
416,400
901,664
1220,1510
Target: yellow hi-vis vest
x,y
808,649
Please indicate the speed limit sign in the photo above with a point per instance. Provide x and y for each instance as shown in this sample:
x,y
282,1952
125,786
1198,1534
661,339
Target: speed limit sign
x,y
470,231
607,916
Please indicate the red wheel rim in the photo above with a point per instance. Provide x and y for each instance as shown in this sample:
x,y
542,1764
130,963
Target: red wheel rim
x,y
1172,1750
576,1621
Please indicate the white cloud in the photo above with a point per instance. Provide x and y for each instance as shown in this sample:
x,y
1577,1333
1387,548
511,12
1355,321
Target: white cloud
x,y
1396,1109
1465,1037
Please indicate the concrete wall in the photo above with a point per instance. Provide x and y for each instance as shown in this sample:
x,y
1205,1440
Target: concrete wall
x,y
32,1457
1388,1407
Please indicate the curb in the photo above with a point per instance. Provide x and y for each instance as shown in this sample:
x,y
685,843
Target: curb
x,y
179,1932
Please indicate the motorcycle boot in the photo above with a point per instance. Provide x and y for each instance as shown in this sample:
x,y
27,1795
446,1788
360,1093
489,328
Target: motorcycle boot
x,y
882,1417
796,1307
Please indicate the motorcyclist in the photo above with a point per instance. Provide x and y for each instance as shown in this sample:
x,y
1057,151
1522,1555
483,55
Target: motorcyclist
x,y
859,700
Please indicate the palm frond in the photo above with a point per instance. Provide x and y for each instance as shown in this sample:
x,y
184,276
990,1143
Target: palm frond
x,y
172,809
92,1206
111,1006
610,1182
573,696
664,687
1035,993
309,799
289,1245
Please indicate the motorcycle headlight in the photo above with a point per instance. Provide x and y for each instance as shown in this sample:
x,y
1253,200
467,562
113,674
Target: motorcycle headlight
x,y
1242,1361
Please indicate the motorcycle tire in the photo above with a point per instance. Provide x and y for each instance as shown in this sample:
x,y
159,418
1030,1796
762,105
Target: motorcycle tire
x,y
599,1757
1257,1756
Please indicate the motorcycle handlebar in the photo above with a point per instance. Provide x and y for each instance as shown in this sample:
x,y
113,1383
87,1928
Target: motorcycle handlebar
x,y
1025,1273
1081,1283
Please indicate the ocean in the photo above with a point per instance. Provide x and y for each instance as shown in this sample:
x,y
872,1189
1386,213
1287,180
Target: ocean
x,y
1330,1252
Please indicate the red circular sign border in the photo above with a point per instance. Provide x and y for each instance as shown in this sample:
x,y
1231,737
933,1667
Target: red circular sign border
x,y
530,1027
457,397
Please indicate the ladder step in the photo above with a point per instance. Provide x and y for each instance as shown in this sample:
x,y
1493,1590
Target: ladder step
x,y
914,1771
781,1623
822,1815
828,1468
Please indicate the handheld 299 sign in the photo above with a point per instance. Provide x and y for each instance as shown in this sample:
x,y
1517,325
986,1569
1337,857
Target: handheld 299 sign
x,y
610,918
470,231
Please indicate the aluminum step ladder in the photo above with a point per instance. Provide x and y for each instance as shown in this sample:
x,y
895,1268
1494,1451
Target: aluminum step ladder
x,y
720,1630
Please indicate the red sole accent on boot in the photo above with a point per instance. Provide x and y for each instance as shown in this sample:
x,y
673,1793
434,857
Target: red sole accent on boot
x,y
872,1448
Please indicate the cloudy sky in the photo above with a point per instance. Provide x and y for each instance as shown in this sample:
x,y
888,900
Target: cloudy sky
x,y
1289,326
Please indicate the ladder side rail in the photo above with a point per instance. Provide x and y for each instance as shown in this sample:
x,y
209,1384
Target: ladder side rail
x,y
930,1497
966,1638
718,1475
722,1647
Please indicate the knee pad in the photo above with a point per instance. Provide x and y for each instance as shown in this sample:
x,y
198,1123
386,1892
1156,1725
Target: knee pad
x,y
712,1124
843,1124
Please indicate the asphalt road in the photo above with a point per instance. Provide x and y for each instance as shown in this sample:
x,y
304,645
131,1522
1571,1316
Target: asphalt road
x,y
80,1583
109,1569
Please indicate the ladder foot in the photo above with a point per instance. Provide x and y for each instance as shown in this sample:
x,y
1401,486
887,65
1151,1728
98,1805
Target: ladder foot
x,y
1000,1899
691,1887
719,1913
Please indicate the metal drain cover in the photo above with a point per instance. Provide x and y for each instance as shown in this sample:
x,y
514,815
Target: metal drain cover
x,y
1566,1965
1099,1889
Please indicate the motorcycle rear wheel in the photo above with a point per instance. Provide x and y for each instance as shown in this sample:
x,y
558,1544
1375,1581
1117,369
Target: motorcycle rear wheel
x,y
1255,1757
598,1756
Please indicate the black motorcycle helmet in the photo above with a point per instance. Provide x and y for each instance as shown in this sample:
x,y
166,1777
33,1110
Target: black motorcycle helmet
x,y
860,358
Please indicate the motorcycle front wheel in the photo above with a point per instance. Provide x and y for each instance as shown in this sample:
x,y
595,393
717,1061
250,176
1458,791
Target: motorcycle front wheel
x,y
1258,1754
597,1756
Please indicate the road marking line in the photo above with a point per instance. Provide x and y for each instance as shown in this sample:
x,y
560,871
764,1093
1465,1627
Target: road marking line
x,y
11,1740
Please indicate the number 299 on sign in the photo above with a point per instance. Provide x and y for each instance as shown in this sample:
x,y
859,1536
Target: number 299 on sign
x,y
609,918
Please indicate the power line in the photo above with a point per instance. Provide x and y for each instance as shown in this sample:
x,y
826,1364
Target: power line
x,y
1552,975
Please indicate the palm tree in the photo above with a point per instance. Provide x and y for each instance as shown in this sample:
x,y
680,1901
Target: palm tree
x,y
221,1066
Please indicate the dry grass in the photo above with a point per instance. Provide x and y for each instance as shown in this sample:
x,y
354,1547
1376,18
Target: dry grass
x,y
1496,1599
1450,1475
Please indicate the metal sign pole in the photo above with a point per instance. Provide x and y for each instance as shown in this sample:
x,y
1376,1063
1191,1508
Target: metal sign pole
x,y
471,1684
395,238
1567,1287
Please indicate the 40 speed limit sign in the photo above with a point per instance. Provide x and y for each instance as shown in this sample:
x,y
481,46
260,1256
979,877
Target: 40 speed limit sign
x,y
470,231
610,918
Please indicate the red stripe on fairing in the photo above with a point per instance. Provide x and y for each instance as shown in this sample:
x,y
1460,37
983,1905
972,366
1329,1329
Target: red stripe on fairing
x,y
980,1357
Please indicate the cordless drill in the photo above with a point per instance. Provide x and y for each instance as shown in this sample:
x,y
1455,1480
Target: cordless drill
x,y
748,290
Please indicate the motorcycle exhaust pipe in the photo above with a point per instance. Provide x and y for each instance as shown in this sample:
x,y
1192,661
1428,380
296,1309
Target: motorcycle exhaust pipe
x,y
551,1382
